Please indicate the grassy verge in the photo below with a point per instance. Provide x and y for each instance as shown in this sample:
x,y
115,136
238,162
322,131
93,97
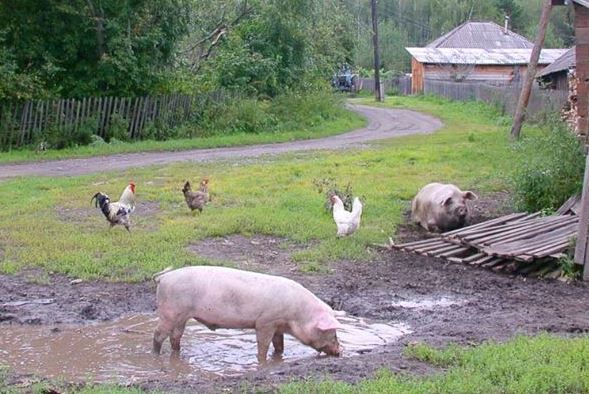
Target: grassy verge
x,y
49,223
347,121
542,364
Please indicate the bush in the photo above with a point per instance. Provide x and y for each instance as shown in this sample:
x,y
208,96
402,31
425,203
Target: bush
x,y
551,171
118,128
298,110
68,137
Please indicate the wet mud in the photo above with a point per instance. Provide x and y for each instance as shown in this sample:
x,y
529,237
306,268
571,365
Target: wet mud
x,y
439,303
119,351
429,300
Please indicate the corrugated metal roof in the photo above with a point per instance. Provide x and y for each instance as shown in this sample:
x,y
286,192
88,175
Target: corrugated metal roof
x,y
564,62
582,2
480,35
481,56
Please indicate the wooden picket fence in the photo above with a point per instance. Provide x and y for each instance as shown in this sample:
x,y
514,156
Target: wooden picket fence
x,y
24,123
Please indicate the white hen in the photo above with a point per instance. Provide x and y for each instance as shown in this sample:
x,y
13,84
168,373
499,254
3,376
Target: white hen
x,y
347,222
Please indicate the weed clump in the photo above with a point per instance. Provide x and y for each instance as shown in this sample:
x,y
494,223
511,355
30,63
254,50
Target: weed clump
x,y
551,169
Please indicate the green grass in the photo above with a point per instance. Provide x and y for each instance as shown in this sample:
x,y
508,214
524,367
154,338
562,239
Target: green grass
x,y
541,364
50,223
348,121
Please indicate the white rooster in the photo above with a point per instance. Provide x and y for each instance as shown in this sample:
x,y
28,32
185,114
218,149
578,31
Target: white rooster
x,y
347,222
117,212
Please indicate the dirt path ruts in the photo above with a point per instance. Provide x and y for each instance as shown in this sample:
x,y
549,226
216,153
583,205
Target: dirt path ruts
x,y
383,123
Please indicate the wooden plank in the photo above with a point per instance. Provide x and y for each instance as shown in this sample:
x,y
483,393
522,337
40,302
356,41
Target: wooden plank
x,y
481,227
58,114
414,243
520,231
23,121
83,115
77,116
134,117
543,253
528,235
568,204
532,235
485,224
566,230
143,114
37,121
581,256
427,244
423,249
108,114
457,251
492,262
452,249
482,260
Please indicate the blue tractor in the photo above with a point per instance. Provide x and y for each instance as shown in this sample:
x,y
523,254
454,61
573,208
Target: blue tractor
x,y
345,80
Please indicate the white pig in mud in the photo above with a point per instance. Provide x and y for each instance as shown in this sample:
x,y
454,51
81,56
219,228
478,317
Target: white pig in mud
x,y
220,297
441,207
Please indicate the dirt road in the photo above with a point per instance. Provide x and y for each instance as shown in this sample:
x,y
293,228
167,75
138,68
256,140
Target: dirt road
x,y
383,123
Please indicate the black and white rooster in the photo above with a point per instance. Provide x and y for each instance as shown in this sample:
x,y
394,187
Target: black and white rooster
x,y
117,212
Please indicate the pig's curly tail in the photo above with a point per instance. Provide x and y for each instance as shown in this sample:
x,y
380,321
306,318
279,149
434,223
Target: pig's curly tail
x,y
157,276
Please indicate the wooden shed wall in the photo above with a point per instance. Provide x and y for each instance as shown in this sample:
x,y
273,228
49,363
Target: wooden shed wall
x,y
416,76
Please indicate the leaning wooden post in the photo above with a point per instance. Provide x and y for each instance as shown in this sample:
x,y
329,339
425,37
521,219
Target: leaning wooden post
x,y
524,96
581,256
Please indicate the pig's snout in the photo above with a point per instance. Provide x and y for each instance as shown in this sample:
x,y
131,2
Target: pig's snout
x,y
335,350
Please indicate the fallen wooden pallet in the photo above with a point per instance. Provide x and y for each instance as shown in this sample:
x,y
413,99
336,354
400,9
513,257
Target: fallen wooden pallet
x,y
518,242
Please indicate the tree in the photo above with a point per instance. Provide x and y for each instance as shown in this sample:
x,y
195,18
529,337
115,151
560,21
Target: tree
x,y
89,47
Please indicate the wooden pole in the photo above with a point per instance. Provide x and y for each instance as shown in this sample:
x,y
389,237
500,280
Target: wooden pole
x,y
524,96
581,256
377,91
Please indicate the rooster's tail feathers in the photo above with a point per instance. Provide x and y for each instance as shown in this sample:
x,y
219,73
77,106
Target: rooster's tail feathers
x,y
357,207
102,202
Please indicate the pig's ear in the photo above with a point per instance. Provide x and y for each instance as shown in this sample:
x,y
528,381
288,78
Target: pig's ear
x,y
446,201
469,195
327,323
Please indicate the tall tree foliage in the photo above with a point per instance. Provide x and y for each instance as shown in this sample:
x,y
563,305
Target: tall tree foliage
x,y
90,47
76,48
407,23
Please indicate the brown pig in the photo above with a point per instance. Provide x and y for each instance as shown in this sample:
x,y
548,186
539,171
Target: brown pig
x,y
221,297
441,207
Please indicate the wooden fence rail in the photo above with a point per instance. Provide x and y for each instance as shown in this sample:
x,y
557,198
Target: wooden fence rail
x,y
506,96
26,123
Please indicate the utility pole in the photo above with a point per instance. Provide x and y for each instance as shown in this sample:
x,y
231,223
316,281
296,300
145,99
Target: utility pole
x,y
524,96
377,90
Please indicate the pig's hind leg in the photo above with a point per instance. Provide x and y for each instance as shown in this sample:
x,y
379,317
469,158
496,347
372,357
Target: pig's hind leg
x,y
175,337
160,334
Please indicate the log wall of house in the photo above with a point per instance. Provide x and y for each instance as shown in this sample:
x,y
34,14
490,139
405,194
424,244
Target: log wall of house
x,y
582,66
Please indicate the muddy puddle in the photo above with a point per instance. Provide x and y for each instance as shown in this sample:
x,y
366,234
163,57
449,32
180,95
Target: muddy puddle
x,y
428,303
120,351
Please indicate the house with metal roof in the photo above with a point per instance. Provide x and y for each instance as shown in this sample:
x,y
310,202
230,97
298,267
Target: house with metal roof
x,y
556,75
475,52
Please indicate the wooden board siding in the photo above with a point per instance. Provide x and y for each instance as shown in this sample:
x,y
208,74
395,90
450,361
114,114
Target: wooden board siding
x,y
493,74
416,76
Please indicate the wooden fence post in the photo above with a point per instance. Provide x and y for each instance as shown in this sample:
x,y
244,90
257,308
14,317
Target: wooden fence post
x,y
581,256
